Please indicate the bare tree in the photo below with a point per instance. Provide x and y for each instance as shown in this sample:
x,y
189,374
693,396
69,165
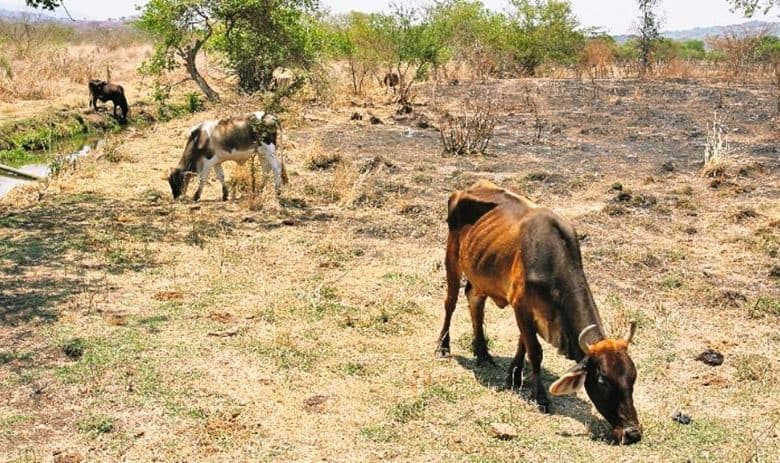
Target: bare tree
x,y
649,23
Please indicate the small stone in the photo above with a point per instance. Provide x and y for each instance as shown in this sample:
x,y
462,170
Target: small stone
x,y
711,357
68,457
681,417
503,431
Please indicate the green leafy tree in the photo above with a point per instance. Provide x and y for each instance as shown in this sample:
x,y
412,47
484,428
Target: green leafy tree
x,y
261,35
750,7
545,30
692,50
180,29
416,44
474,35
360,39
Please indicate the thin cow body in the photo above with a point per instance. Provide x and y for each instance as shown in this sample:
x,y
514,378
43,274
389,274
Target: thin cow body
x,y
213,142
525,256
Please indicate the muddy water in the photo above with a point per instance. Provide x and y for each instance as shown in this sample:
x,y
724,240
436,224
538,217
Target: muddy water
x,y
40,170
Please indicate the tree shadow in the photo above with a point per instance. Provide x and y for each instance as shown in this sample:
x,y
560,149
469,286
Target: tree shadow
x,y
47,251
573,407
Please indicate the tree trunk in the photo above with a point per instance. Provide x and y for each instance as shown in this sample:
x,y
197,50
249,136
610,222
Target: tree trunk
x,y
192,70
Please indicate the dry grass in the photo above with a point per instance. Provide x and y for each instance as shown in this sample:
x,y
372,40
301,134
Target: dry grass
x,y
306,332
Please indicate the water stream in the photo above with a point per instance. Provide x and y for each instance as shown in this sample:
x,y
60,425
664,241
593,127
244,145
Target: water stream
x,y
8,183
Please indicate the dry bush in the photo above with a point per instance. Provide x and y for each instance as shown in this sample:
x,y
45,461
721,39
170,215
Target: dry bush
x,y
249,181
43,60
716,150
739,46
470,132
676,68
597,58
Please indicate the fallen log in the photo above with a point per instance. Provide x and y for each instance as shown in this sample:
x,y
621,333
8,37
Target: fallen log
x,y
16,173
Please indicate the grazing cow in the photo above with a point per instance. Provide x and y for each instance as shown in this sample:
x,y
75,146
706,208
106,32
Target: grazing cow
x,y
520,254
213,142
105,91
391,81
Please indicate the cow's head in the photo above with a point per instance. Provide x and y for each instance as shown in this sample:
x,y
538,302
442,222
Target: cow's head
x,y
178,179
96,85
608,374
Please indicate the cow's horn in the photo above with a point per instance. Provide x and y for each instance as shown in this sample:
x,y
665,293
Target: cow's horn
x,y
631,331
583,344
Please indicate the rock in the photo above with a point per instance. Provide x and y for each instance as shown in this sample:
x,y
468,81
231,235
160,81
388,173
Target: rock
x,y
711,357
666,167
681,417
404,109
116,319
315,403
67,457
375,120
356,116
503,431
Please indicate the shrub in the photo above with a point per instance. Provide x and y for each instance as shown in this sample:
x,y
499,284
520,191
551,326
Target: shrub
x,y
471,132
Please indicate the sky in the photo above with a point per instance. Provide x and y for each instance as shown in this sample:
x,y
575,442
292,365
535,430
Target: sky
x,y
616,16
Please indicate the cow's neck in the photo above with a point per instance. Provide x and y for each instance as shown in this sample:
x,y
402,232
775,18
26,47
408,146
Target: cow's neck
x,y
583,315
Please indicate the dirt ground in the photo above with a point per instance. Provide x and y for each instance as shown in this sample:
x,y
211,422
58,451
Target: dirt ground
x,y
134,328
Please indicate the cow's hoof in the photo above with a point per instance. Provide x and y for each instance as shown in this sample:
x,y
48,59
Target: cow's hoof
x,y
485,360
514,381
443,353
544,408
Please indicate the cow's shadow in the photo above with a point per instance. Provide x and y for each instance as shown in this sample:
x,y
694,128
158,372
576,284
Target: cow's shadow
x,y
493,376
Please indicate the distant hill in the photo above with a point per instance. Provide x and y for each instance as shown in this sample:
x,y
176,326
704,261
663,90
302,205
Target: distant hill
x,y
44,17
701,33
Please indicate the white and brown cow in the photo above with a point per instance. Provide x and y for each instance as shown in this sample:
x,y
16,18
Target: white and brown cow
x,y
213,142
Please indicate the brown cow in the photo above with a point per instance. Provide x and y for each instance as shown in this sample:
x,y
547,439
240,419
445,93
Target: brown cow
x,y
100,90
391,81
519,254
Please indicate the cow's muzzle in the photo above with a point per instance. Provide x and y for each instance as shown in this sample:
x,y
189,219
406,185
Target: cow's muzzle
x,y
629,435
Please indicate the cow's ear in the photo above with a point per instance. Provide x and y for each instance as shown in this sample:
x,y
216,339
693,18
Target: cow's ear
x,y
571,381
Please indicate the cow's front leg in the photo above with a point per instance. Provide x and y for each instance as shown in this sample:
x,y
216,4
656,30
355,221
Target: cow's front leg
x,y
514,375
221,176
477,309
204,176
534,349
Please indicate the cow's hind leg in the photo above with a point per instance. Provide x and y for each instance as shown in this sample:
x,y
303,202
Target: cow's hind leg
x,y
477,309
451,301
221,176
272,162
534,349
